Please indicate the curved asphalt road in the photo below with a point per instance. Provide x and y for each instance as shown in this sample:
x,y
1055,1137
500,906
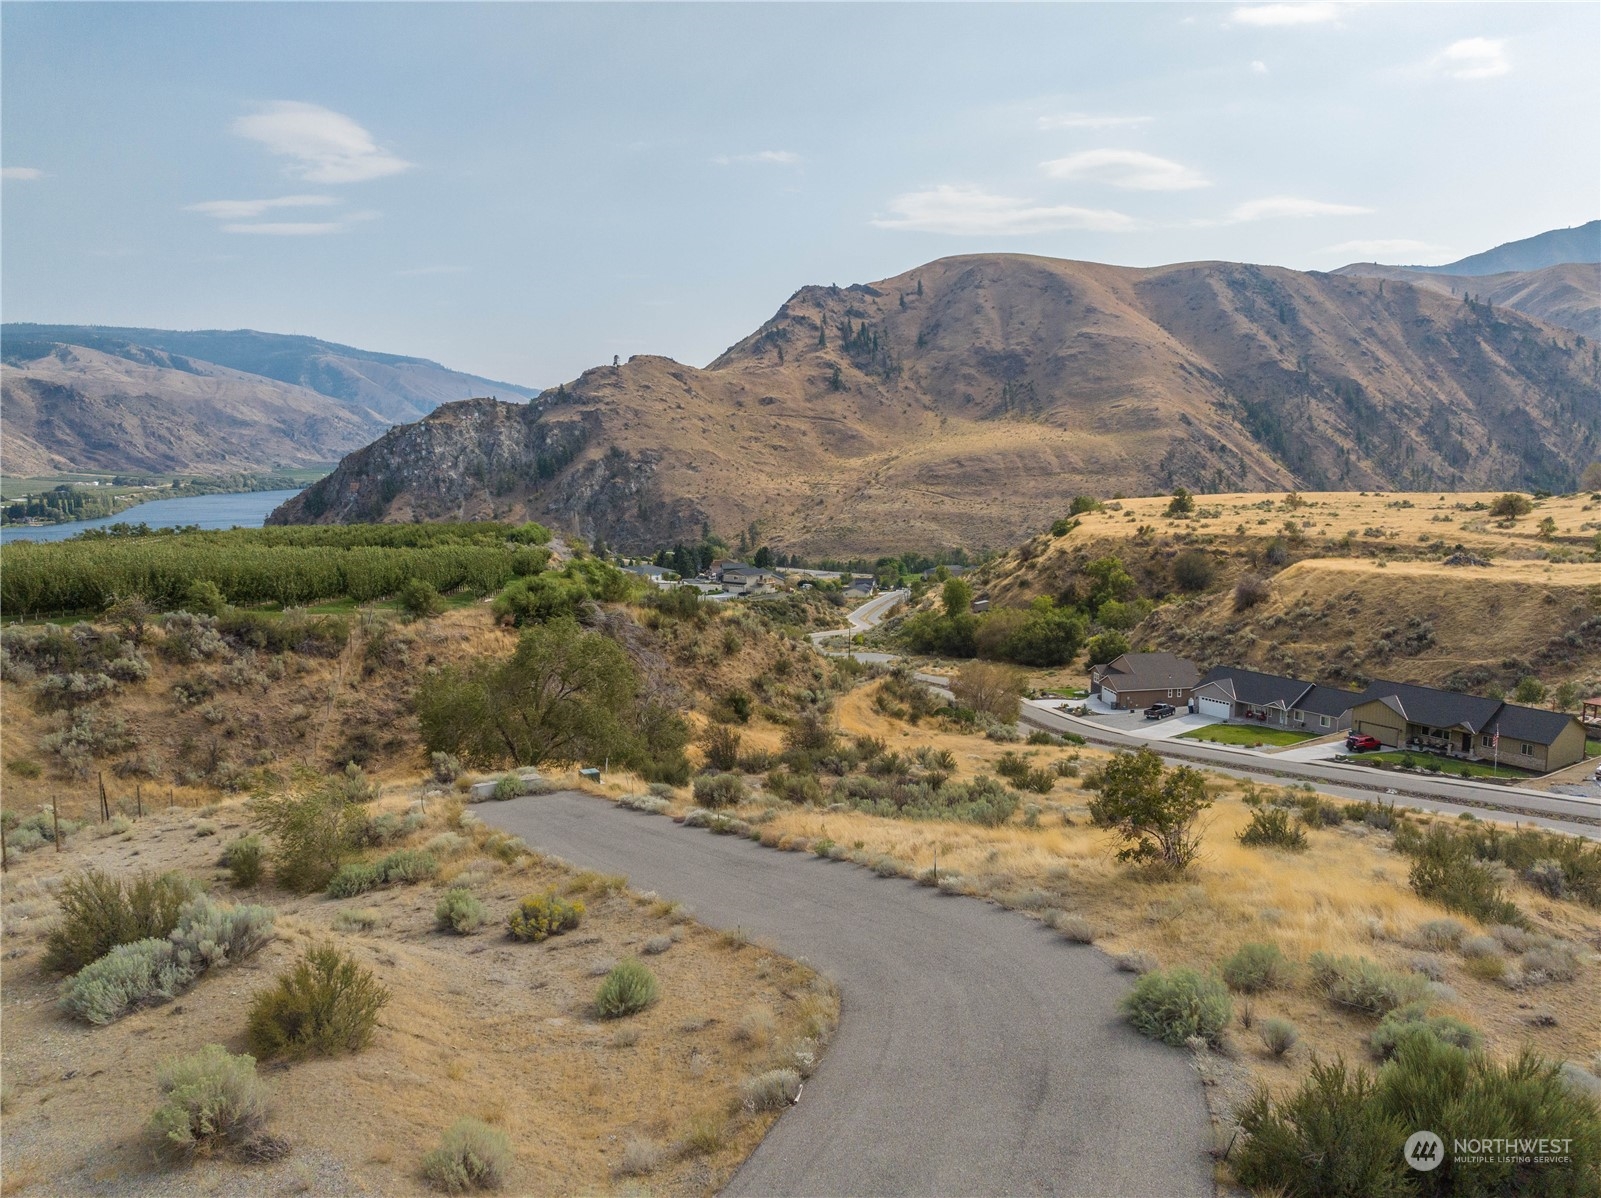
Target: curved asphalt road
x,y
978,1053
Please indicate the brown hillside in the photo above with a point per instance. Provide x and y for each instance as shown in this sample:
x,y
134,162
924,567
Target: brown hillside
x,y
1334,613
963,402
81,409
1568,295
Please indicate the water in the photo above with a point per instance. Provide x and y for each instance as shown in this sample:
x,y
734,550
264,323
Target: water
x,y
246,510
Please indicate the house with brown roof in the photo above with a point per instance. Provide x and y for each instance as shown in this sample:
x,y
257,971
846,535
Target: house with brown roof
x,y
1136,680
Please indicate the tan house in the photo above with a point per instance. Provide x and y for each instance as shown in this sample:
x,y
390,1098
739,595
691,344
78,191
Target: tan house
x,y
1137,680
1402,716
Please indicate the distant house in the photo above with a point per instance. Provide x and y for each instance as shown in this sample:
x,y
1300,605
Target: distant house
x,y
1137,680
951,571
1230,693
745,580
654,573
860,588
1403,716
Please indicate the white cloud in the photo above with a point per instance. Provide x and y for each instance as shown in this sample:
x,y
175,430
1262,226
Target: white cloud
x,y
760,158
1392,247
1088,120
1473,58
21,173
965,210
1258,67
250,209
325,146
301,228
1273,207
1133,169
1285,14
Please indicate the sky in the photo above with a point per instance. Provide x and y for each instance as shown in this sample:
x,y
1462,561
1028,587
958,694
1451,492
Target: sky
x,y
525,190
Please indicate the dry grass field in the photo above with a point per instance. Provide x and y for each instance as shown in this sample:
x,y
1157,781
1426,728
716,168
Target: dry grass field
x,y
479,1025
1347,894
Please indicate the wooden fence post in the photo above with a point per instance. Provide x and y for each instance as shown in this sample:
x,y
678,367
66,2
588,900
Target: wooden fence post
x,y
4,864
55,819
139,798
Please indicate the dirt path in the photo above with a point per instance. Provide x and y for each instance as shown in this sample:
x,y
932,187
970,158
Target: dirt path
x,y
978,1052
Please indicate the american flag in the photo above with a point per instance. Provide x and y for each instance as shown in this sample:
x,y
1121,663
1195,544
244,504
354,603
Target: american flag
x,y
1495,741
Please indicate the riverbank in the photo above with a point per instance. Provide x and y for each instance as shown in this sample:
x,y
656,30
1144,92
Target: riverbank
x,y
234,509
65,499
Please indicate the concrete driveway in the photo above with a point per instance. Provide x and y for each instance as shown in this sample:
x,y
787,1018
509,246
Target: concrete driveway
x,y
978,1053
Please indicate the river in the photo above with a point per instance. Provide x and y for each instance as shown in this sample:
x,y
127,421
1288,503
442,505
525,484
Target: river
x,y
244,510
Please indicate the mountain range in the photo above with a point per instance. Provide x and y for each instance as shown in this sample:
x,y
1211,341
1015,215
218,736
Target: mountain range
x,y
98,398
966,401
1555,276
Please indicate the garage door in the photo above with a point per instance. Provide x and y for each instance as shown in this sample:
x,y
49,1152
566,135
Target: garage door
x,y
1109,697
1218,709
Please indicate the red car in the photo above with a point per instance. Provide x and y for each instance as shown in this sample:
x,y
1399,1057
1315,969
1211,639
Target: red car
x,y
1361,743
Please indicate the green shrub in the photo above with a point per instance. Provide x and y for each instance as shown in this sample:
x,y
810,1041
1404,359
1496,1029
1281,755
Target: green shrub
x,y
211,1099
1330,1138
418,598
314,830
508,787
153,970
1458,1094
1447,870
1362,984
1273,826
140,973
471,1156
214,933
1175,1004
353,878
628,989
1255,968
460,912
243,859
1440,934
542,916
719,790
325,1004
407,865
1279,1036
1414,1020
99,912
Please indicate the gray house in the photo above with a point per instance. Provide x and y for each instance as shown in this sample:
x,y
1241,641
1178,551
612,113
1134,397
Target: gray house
x,y
1246,696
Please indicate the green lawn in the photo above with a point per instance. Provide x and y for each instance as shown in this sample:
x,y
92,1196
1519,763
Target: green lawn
x,y
1592,748
1246,734
1447,765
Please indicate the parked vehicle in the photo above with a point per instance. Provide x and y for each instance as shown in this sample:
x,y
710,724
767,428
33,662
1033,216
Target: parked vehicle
x,y
1361,743
1598,773
1159,711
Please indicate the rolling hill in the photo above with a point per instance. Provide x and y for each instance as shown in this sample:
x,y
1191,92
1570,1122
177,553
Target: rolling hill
x,y
97,398
965,401
1581,243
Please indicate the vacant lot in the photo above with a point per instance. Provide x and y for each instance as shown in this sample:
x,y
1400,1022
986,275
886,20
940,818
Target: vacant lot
x,y
479,1025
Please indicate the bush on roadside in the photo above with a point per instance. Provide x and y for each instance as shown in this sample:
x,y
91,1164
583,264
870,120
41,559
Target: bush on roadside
x,y
471,1156
1255,968
325,1004
459,911
628,989
541,916
314,830
407,865
1446,870
720,743
715,791
771,1091
211,1099
99,912
1176,1004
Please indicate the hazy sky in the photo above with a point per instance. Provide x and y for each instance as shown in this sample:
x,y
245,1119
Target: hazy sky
x,y
524,190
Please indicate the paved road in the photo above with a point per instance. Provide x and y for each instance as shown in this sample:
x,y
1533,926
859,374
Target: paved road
x,y
1558,812
978,1053
868,615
